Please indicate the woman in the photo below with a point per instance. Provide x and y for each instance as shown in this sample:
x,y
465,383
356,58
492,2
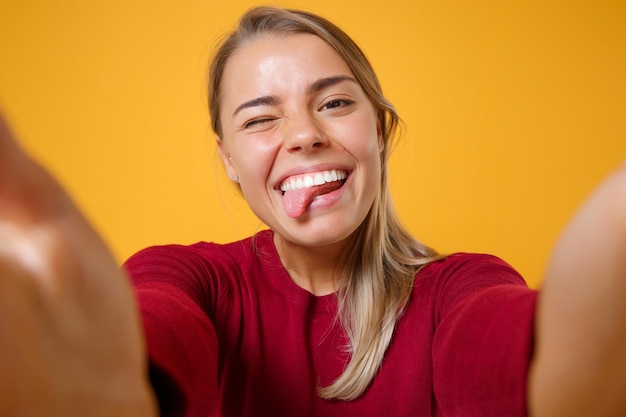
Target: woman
x,y
336,310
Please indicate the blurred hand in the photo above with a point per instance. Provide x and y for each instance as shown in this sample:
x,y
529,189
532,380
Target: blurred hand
x,y
70,336
580,356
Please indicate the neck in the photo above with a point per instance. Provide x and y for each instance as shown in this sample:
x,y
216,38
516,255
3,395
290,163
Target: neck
x,y
316,269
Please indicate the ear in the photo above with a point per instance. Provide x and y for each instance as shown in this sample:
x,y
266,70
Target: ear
x,y
227,160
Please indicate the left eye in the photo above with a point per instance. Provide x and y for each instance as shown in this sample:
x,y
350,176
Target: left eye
x,y
333,104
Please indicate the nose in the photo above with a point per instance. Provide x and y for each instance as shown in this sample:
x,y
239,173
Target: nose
x,y
305,134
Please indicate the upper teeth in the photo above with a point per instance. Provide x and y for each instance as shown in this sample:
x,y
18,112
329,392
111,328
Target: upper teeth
x,y
310,180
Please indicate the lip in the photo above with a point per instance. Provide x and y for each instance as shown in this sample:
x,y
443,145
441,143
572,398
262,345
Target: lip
x,y
310,169
328,200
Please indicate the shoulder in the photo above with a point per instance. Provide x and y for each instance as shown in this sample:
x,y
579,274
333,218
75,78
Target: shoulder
x,y
197,255
471,268
202,267
461,276
183,258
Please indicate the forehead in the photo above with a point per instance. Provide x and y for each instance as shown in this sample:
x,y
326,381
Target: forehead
x,y
289,61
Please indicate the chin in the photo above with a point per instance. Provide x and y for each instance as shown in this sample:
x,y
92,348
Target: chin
x,y
319,234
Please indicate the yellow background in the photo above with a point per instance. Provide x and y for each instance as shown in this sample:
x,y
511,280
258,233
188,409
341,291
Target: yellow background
x,y
515,110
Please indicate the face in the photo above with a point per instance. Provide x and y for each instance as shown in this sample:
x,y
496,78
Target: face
x,y
301,136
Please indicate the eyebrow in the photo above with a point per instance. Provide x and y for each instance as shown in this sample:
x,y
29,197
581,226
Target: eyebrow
x,y
314,88
327,82
259,101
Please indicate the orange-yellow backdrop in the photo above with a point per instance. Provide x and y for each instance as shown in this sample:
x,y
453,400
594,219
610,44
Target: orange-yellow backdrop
x,y
514,112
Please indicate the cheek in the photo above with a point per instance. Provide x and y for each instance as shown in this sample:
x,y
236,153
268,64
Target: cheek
x,y
254,161
361,140
364,147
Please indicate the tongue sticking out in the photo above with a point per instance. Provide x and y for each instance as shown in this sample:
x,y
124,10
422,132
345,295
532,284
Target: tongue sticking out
x,y
296,201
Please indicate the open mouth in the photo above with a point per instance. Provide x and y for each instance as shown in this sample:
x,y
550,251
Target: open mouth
x,y
299,191
313,180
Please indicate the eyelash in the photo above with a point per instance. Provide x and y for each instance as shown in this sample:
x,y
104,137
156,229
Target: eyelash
x,y
340,101
256,122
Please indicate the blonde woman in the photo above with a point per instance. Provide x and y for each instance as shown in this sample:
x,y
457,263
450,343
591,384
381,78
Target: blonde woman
x,y
335,310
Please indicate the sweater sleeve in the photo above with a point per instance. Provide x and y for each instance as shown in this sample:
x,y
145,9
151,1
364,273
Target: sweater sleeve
x,y
171,290
484,339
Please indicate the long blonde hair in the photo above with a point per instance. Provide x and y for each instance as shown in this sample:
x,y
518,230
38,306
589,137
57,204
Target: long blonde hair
x,y
380,268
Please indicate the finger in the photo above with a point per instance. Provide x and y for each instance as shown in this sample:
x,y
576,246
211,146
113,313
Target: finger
x,y
7,141
28,194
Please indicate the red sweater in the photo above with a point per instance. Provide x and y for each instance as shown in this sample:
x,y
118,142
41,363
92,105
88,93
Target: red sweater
x,y
228,330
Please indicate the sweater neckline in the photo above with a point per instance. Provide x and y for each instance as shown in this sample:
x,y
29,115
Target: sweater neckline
x,y
283,282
